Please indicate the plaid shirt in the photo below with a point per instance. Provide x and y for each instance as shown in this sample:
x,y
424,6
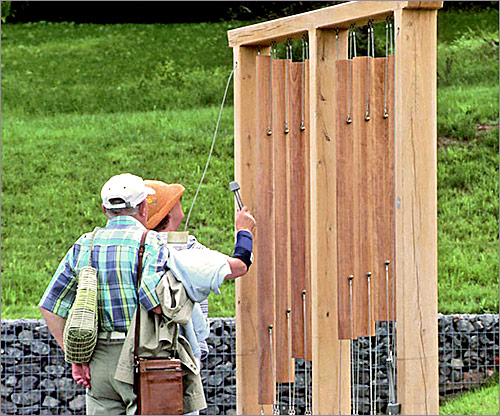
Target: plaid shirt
x,y
115,256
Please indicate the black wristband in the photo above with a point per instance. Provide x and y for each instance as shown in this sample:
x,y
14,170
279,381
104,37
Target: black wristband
x,y
243,247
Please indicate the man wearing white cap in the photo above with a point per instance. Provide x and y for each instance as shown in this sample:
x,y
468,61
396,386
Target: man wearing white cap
x,y
115,255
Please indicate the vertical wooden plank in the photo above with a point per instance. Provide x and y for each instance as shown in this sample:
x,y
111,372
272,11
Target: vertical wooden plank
x,y
281,265
306,133
297,170
416,211
245,174
326,348
347,225
264,236
383,184
364,188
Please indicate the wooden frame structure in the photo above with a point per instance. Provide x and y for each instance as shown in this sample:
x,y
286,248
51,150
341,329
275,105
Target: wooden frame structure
x,y
415,198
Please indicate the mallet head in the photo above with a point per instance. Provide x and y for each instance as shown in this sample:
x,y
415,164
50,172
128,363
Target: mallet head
x,y
235,187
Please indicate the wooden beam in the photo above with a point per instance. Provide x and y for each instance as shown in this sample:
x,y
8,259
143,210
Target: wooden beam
x,y
416,211
424,5
340,16
246,287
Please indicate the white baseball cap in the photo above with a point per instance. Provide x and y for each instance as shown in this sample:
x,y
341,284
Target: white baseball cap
x,y
124,191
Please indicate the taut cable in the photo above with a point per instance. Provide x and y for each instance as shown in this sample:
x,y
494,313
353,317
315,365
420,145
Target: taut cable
x,y
211,147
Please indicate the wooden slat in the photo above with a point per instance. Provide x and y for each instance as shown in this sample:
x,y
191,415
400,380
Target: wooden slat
x,y
281,223
306,133
383,184
297,171
416,211
264,236
341,16
364,189
246,287
347,179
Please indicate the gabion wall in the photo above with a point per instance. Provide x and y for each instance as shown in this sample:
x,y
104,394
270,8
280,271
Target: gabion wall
x,y
36,380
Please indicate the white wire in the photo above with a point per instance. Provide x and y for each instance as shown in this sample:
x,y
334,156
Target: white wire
x,y
211,148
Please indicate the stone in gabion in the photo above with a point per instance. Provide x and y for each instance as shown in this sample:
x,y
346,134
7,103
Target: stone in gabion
x,y
55,370
40,348
215,379
31,410
65,386
78,403
50,402
27,383
8,407
26,337
26,399
48,384
6,391
11,381
464,326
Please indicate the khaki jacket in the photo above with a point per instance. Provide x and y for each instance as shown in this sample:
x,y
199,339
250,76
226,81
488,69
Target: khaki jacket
x,y
159,336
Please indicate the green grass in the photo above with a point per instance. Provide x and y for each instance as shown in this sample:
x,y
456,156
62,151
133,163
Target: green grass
x,y
56,166
467,224
480,401
81,103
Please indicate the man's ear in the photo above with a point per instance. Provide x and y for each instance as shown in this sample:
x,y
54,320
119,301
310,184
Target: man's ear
x,y
143,208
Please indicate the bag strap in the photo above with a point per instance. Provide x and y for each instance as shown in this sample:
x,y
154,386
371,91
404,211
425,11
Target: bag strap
x,y
92,245
138,314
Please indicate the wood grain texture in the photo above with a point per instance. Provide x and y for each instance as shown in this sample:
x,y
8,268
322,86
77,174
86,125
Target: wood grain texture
x,y
383,183
331,384
347,179
363,187
297,173
416,211
264,236
340,16
281,223
245,171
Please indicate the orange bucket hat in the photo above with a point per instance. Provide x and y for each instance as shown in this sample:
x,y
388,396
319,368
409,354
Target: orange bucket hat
x,y
160,203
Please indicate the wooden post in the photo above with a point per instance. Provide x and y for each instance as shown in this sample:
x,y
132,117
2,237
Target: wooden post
x,y
416,211
326,347
246,287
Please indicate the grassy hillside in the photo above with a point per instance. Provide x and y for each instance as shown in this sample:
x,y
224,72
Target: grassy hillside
x,y
81,103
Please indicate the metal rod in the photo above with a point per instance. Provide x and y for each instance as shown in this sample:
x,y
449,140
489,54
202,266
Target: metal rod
x,y
303,93
270,330
351,337
368,276
270,115
291,401
308,410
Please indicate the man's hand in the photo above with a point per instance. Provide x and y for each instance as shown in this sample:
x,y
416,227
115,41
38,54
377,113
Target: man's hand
x,y
81,374
244,220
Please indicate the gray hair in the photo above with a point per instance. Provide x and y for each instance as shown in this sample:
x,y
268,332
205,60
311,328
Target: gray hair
x,y
110,213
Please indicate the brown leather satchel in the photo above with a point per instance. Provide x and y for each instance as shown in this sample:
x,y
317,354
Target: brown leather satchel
x,y
158,380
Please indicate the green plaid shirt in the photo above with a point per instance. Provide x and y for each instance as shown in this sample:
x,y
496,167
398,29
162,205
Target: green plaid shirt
x,y
115,256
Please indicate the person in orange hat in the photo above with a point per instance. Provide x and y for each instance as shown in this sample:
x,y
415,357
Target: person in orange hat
x,y
165,214
164,207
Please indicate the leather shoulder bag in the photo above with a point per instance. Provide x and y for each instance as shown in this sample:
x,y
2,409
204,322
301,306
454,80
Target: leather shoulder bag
x,y
158,380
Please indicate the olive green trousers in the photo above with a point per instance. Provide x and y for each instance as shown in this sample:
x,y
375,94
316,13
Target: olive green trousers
x,y
108,396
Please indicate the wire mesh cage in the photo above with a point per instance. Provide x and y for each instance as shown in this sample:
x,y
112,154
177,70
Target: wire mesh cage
x,y
35,379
